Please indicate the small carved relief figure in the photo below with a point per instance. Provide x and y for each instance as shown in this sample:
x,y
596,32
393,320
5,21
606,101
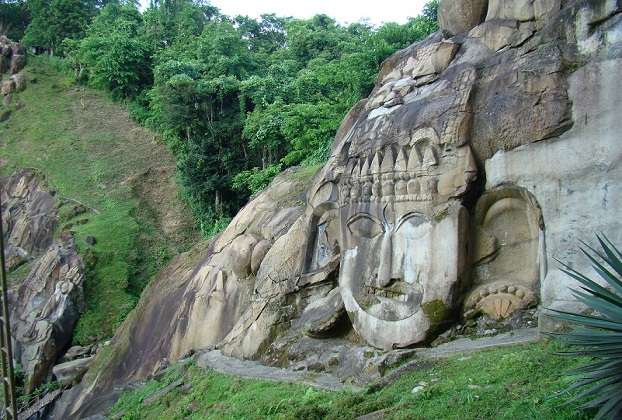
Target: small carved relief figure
x,y
325,246
507,254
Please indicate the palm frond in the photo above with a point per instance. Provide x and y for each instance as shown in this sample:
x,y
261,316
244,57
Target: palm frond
x,y
599,335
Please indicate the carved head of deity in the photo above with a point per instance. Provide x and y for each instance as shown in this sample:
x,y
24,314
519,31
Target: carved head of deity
x,y
403,227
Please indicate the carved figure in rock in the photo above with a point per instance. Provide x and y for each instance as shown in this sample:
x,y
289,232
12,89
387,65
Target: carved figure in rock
x,y
508,253
403,226
45,308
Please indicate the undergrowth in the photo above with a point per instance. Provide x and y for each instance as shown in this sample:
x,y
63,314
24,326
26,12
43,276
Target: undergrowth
x,y
520,382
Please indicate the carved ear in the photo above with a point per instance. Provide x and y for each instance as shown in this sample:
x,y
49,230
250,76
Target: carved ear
x,y
325,194
365,226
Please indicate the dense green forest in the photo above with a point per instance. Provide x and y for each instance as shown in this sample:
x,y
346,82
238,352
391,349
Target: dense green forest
x,y
236,99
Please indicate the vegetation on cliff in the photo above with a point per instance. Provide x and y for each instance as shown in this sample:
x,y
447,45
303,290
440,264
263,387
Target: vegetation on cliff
x,y
93,155
237,99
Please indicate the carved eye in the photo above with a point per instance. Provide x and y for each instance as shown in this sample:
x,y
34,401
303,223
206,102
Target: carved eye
x,y
365,226
411,219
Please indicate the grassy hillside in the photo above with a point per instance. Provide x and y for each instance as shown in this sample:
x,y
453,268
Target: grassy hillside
x,y
94,155
521,382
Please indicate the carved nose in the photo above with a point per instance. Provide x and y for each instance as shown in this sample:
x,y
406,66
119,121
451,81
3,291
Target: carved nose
x,y
386,263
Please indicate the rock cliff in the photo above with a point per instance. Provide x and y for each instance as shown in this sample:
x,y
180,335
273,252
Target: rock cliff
x,y
46,304
482,153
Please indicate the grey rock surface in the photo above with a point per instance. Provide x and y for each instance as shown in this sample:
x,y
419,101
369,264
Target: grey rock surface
x,y
71,372
45,309
467,345
458,16
46,305
248,369
29,217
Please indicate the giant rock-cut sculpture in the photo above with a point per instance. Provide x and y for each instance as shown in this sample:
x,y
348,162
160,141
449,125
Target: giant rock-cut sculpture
x,y
403,227
480,155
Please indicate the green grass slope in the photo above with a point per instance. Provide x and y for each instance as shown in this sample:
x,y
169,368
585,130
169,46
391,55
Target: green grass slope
x,y
91,153
520,382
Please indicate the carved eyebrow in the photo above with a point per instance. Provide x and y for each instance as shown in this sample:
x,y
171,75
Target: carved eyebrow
x,y
359,216
409,216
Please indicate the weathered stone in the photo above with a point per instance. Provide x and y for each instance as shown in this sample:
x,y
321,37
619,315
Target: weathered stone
x,y
18,62
71,372
77,352
544,10
510,9
29,217
458,16
499,34
520,101
45,309
259,252
7,87
507,252
323,314
20,81
12,56
386,220
396,197
5,64
221,363
431,59
577,201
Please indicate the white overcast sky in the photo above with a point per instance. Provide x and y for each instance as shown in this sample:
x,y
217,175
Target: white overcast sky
x,y
345,11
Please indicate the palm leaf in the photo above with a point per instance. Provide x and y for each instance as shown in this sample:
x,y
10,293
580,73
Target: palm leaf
x,y
600,334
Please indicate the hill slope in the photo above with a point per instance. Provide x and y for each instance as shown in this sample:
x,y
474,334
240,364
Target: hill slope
x,y
93,154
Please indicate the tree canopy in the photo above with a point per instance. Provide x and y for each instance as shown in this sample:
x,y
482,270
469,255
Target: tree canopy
x,y
237,99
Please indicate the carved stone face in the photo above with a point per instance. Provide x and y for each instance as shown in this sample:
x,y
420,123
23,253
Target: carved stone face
x,y
403,227
403,253
396,240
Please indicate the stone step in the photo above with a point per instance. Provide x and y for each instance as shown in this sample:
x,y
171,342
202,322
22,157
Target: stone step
x,y
215,360
467,345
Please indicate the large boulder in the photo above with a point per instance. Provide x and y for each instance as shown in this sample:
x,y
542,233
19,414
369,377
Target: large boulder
x,y
69,373
18,58
19,80
7,87
458,16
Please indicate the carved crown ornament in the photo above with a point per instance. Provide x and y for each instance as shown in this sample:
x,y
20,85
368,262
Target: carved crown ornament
x,y
388,175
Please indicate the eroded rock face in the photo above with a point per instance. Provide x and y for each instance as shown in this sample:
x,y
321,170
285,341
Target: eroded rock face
x,y
458,16
475,161
29,217
12,61
402,224
46,307
12,56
